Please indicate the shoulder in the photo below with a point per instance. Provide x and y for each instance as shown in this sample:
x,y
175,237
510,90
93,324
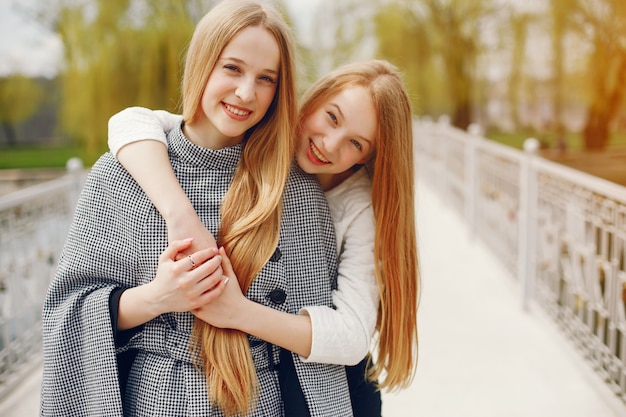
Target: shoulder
x,y
354,195
109,184
108,172
304,204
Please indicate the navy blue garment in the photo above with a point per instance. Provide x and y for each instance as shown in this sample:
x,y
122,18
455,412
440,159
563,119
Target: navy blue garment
x,y
365,397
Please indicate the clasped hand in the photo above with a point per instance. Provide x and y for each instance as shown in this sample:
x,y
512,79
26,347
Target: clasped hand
x,y
198,283
228,310
188,282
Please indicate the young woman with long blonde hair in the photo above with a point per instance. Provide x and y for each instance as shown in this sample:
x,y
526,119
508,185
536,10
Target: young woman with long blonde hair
x,y
121,288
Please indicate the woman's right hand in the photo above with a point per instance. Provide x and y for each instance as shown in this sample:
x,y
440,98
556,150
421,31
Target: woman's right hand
x,y
185,283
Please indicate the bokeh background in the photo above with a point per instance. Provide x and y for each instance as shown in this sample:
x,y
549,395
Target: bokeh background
x,y
550,69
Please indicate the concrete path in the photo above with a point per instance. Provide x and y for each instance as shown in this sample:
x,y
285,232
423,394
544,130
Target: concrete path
x,y
481,354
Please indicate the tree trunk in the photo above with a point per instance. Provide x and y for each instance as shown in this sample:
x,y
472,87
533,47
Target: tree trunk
x,y
9,133
462,115
596,133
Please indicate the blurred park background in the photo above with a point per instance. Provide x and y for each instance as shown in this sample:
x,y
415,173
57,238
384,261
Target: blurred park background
x,y
554,70
503,70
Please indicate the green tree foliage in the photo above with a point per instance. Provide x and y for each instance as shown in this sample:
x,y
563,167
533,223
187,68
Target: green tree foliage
x,y
559,10
455,27
20,98
341,30
117,56
518,27
436,43
126,52
406,43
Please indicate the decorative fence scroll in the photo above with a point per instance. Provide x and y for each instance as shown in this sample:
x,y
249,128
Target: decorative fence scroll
x,y
33,226
560,232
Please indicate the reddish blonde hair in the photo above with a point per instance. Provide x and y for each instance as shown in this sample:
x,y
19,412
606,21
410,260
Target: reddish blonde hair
x,y
395,247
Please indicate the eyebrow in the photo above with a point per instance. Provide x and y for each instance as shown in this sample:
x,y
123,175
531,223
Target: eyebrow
x,y
243,63
369,141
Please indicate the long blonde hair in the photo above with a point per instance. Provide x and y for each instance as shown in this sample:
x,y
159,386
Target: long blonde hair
x,y
395,246
251,210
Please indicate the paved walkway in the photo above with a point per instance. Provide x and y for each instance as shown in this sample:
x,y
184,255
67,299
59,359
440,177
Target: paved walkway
x,y
481,354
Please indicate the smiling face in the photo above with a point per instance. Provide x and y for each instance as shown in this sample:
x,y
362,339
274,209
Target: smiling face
x,y
239,90
338,134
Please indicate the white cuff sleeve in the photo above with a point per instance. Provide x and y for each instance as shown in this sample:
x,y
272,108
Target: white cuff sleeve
x,y
138,123
337,338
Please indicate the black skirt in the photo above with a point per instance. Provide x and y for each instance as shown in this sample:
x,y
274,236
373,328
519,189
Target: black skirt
x,y
365,397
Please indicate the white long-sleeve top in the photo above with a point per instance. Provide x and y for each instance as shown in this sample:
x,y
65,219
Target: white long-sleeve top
x,y
339,336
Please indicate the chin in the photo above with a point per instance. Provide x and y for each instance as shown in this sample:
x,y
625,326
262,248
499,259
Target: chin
x,y
304,164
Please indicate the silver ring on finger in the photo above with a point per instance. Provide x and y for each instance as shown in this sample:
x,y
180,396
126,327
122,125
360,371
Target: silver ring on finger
x,y
193,262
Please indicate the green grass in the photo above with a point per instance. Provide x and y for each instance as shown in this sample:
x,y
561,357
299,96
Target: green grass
x,y
21,157
39,157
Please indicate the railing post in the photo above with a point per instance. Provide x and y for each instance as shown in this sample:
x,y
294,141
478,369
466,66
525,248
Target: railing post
x,y
74,167
443,126
527,221
471,173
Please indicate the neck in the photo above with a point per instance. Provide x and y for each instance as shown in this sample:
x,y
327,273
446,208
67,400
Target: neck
x,y
330,181
205,135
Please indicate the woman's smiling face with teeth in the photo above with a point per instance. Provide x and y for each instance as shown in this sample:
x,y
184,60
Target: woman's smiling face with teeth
x,y
339,134
242,84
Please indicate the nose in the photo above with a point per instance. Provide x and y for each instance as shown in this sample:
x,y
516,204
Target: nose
x,y
332,141
245,90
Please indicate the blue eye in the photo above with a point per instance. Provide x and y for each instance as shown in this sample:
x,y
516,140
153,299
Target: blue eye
x,y
357,144
332,116
231,67
268,79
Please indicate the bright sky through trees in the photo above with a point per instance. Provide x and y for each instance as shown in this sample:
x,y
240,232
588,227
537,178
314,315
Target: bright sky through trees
x,y
33,50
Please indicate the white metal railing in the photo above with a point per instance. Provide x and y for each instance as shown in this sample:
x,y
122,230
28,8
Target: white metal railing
x,y
561,232
33,227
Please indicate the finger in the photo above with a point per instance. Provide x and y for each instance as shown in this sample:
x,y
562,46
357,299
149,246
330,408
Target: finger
x,y
205,254
214,292
201,256
194,261
208,258
226,265
210,269
207,284
191,261
217,289
187,252
174,248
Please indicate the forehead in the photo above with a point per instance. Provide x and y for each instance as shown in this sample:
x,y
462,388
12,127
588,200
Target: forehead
x,y
255,46
349,93
356,106
353,100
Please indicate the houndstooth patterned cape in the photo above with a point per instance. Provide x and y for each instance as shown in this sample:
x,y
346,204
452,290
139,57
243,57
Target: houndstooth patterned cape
x,y
115,241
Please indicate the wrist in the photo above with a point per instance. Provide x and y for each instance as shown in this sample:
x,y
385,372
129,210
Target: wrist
x,y
248,317
135,307
151,300
177,212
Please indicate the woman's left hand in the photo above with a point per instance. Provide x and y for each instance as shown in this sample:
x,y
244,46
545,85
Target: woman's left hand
x,y
228,309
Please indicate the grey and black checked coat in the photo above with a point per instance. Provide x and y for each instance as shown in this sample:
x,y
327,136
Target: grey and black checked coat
x,y
114,242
